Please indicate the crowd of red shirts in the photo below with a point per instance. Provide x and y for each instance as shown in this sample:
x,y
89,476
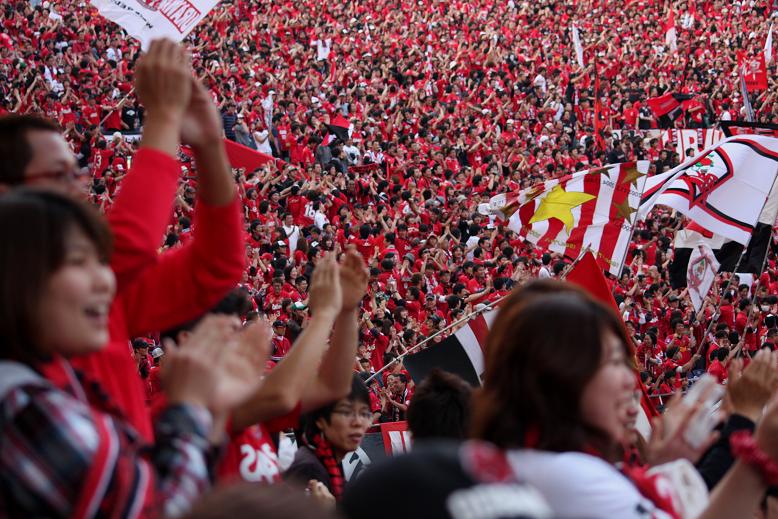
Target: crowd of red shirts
x,y
447,103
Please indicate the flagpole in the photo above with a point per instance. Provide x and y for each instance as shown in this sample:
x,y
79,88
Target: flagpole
x,y
471,315
634,221
575,262
118,106
734,273
758,282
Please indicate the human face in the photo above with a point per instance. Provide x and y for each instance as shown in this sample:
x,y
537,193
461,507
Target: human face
x,y
73,313
609,393
53,165
347,425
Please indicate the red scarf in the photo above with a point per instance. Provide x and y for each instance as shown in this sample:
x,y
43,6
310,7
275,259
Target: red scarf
x,y
334,469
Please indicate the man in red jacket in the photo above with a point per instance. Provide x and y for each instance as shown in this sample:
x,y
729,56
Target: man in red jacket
x,y
154,291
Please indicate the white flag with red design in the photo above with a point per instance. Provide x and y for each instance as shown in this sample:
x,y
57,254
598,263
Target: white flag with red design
x,y
147,20
593,209
723,189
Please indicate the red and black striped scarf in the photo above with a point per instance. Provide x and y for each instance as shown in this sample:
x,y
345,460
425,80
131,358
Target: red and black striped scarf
x,y
323,451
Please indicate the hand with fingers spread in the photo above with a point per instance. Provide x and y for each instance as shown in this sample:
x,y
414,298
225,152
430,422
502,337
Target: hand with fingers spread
x,y
193,372
749,389
353,279
326,296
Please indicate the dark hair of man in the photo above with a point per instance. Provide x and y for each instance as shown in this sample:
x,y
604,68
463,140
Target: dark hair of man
x,y
359,393
15,149
440,407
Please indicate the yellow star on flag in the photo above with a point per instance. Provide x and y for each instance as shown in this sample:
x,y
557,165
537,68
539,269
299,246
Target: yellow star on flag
x,y
559,204
632,176
600,171
624,210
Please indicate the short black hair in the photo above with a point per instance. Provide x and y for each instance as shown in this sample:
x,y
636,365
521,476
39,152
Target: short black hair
x,y
440,407
359,393
14,146
237,302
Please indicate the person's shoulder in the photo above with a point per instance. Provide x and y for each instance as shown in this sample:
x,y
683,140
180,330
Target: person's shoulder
x,y
575,481
306,466
45,406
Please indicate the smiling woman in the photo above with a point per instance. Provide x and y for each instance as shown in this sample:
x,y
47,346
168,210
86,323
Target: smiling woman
x,y
63,454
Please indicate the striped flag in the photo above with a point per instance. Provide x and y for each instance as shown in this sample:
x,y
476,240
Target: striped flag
x,y
723,189
461,353
593,209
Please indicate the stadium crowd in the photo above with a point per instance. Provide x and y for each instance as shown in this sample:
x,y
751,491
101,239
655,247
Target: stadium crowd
x,y
388,125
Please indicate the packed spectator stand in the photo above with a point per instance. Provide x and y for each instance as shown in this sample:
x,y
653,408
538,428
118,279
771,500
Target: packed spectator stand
x,y
388,123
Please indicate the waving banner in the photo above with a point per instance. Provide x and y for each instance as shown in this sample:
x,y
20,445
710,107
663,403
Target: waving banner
x,y
147,20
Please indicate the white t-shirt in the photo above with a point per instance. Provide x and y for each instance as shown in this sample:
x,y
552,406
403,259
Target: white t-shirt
x,y
262,138
293,234
322,48
579,485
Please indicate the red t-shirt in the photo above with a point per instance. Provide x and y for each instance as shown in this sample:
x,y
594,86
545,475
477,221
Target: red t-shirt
x,y
252,455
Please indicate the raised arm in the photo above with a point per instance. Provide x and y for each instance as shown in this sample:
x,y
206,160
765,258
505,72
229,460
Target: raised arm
x,y
185,282
285,386
142,208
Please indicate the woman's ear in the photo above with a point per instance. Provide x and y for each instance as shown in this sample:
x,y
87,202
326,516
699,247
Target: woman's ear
x,y
321,423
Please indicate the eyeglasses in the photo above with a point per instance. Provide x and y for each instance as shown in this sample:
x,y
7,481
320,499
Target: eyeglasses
x,y
353,414
69,175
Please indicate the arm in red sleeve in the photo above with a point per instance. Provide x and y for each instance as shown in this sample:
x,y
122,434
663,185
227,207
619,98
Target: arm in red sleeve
x,y
141,212
186,282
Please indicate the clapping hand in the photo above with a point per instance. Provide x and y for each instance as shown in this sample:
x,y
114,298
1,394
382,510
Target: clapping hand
x,y
353,279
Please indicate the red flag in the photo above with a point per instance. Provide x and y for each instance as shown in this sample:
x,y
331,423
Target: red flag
x,y
241,156
755,72
588,275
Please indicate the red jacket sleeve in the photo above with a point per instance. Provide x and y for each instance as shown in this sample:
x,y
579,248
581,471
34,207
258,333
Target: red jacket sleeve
x,y
141,212
186,282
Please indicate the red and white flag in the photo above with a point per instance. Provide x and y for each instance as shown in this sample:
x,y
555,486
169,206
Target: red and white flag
x,y
723,189
754,69
701,271
146,20
768,46
670,35
593,209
